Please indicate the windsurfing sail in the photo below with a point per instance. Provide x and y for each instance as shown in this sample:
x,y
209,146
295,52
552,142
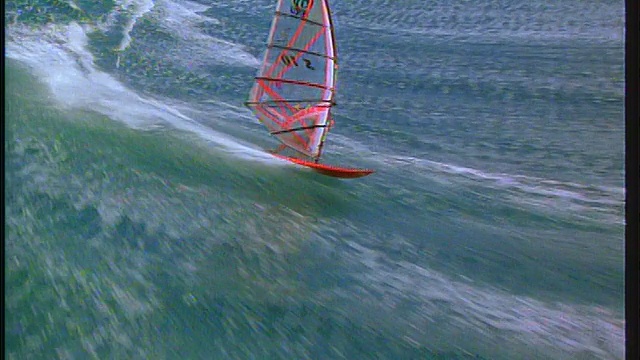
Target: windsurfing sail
x,y
294,90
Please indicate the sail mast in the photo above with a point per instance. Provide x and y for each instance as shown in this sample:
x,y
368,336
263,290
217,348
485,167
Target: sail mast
x,y
334,51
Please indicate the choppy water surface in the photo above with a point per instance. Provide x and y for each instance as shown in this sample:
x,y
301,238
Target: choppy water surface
x,y
144,220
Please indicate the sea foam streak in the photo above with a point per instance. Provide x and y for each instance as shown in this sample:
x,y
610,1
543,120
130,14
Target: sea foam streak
x,y
183,18
59,56
418,298
137,9
604,203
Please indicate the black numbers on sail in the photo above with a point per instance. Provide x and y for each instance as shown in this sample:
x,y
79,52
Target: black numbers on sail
x,y
307,62
290,60
298,6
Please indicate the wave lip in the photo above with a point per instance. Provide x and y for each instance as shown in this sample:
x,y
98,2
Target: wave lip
x,y
58,55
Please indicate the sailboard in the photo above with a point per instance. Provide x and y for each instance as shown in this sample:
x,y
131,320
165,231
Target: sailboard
x,y
295,87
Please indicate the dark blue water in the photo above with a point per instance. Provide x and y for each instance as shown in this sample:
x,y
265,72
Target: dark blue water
x,y
144,220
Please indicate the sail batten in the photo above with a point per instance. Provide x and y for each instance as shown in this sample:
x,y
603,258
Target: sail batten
x,y
300,50
292,82
301,19
294,89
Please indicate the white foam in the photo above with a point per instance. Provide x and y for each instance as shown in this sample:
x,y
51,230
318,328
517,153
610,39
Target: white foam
x,y
73,4
137,10
529,184
59,56
599,203
553,329
182,18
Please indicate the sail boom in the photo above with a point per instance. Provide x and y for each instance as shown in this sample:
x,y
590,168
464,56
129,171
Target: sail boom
x,y
297,129
275,102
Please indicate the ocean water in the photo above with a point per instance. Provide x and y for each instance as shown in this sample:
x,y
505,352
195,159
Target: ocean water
x,y
145,221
